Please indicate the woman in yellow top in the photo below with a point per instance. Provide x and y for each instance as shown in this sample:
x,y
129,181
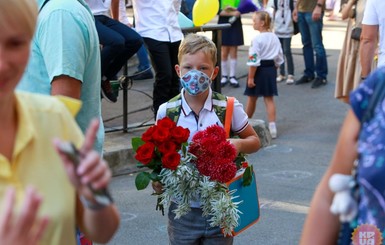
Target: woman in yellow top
x,y
43,197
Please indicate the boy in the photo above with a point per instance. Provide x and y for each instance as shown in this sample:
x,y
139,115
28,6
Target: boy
x,y
196,69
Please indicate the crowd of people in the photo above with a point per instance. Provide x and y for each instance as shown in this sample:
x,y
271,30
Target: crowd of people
x,y
57,58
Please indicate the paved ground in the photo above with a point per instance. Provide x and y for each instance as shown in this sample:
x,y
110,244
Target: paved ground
x,y
287,171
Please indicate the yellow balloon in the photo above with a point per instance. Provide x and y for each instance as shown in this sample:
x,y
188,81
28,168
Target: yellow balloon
x,y
204,11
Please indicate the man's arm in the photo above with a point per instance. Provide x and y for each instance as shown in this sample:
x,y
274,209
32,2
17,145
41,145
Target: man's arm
x,y
67,86
318,9
368,45
115,9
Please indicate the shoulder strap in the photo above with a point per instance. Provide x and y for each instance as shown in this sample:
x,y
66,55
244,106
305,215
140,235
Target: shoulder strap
x,y
173,108
229,115
219,105
276,4
42,6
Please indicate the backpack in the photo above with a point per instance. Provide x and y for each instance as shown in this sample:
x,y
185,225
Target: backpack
x,y
291,5
174,107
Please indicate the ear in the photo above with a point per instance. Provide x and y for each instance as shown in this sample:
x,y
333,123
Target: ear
x,y
177,69
215,73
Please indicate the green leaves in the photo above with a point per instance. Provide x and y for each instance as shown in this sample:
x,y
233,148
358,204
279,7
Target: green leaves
x,y
136,142
142,180
247,176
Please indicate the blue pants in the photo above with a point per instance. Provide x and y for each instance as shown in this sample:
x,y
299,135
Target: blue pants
x,y
194,229
311,33
119,41
142,55
286,48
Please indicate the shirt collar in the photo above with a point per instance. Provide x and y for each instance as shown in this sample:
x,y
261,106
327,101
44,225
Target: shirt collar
x,y
25,130
207,106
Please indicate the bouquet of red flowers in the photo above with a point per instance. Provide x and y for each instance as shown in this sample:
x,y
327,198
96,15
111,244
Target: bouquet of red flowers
x,y
197,175
158,148
210,162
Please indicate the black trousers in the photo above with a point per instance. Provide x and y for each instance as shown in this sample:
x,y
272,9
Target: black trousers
x,y
164,57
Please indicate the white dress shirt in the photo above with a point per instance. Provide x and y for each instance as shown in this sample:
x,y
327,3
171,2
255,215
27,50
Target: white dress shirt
x,y
158,19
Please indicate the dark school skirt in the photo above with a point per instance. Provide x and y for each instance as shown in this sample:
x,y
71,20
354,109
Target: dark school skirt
x,y
232,36
265,80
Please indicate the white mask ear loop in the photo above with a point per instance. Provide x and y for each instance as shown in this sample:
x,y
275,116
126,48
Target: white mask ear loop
x,y
211,76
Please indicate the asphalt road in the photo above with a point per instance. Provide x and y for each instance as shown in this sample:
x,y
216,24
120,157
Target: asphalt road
x,y
287,172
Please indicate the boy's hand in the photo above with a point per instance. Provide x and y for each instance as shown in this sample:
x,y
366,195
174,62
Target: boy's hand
x,y
158,187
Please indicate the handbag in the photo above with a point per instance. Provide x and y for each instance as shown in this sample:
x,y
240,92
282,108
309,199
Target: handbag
x,y
346,230
356,33
248,195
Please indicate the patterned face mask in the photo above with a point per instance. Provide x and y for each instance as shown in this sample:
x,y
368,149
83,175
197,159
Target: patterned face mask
x,y
195,82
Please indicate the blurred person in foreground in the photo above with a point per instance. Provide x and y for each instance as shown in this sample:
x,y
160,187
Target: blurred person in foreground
x,y
42,195
361,138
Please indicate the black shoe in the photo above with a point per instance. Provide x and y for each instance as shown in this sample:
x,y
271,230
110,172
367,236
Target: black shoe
x,y
317,82
142,75
107,92
304,79
233,82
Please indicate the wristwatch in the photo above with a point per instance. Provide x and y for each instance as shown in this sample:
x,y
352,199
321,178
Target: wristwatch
x,y
320,5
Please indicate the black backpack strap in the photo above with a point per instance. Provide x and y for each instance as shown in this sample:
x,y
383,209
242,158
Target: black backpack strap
x,y
275,5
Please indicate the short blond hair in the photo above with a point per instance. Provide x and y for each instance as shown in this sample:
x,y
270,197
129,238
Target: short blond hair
x,y
193,43
19,12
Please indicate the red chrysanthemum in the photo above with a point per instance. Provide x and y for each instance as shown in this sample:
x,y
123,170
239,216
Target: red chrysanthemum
x,y
215,155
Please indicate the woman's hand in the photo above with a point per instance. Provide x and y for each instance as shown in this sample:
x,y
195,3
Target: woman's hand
x,y
25,227
92,170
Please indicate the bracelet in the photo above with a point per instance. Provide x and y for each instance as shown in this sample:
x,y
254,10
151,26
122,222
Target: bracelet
x,y
320,5
91,205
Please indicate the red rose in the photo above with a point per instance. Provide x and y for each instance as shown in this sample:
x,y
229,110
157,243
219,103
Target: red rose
x,y
161,135
166,123
167,146
145,153
171,160
180,134
147,136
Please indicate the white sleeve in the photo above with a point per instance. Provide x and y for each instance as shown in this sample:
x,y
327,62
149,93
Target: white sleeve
x,y
240,119
279,59
254,53
161,111
370,14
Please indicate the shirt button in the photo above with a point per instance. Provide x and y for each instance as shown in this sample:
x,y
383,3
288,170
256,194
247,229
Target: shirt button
x,y
200,125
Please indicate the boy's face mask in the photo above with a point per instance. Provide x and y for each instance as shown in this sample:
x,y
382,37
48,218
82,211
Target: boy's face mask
x,y
195,82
